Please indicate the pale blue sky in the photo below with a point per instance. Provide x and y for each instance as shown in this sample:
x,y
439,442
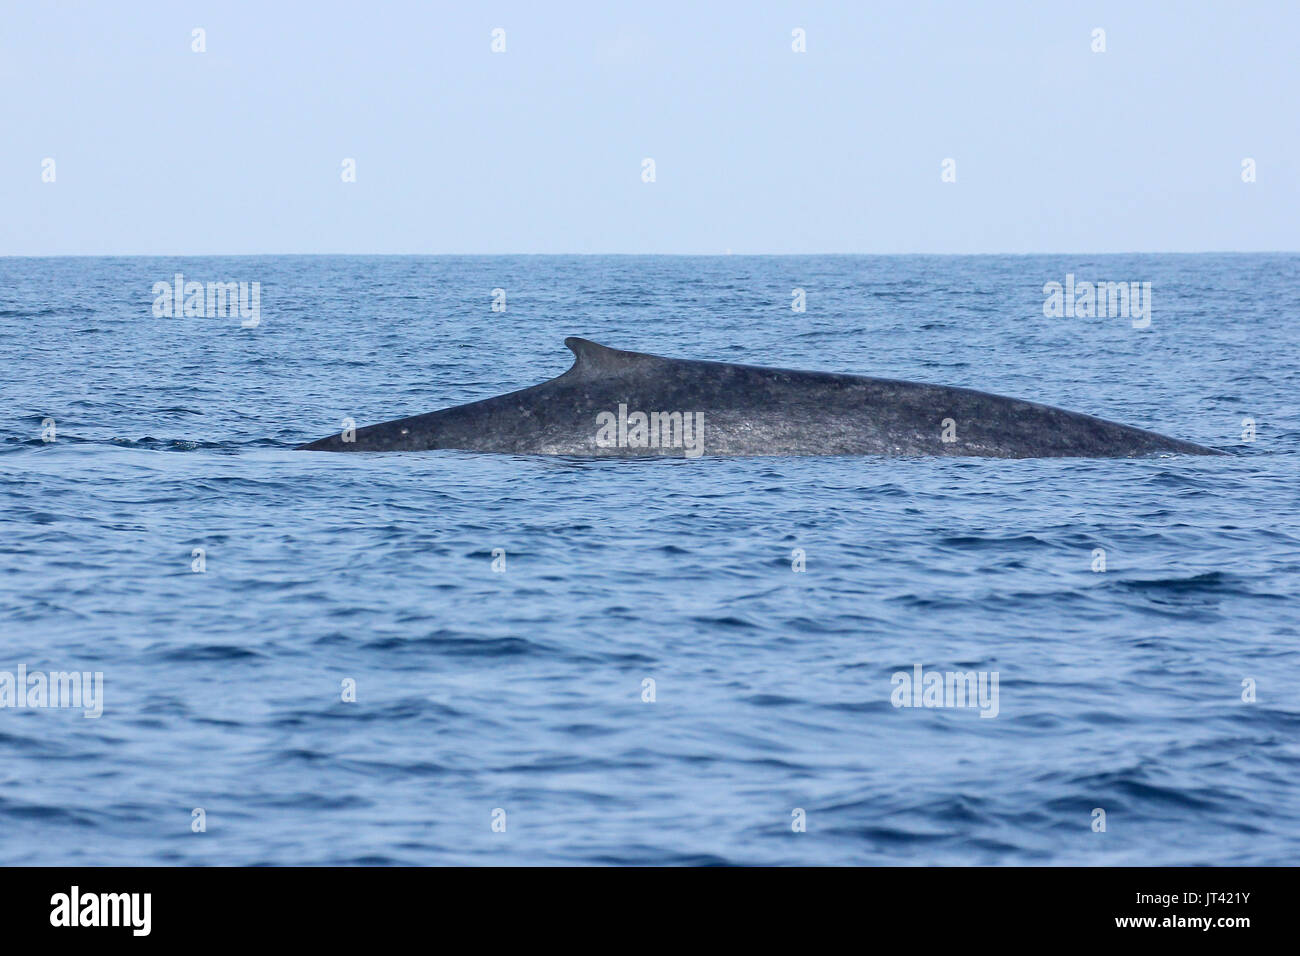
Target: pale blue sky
x,y
758,149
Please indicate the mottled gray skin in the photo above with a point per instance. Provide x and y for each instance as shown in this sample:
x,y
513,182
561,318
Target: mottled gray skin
x,y
749,410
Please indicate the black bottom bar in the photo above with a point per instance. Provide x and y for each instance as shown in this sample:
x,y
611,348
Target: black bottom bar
x,y
332,906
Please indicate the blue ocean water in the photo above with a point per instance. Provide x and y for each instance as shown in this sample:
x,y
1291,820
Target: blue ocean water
x,y
517,695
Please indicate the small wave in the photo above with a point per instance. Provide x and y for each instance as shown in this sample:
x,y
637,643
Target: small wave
x,y
1208,582
457,646
208,652
149,443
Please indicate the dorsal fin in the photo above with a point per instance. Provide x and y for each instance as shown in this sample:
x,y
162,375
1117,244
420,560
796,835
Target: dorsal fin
x,y
594,359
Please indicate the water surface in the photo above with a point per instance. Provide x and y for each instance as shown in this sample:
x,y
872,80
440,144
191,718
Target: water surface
x,y
522,690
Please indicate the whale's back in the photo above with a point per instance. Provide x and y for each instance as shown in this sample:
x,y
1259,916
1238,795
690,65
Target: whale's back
x,y
614,403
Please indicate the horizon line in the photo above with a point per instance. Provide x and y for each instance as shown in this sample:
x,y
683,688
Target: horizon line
x,y
644,255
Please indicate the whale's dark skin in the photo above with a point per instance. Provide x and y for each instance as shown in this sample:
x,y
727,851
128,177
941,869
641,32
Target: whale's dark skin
x,y
748,410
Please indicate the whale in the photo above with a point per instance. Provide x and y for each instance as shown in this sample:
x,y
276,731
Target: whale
x,y
618,404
